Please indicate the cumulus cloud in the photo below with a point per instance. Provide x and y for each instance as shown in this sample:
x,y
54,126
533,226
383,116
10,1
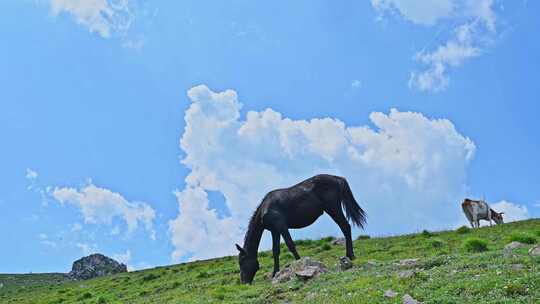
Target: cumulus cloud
x,y
452,54
31,174
103,17
476,21
408,171
100,205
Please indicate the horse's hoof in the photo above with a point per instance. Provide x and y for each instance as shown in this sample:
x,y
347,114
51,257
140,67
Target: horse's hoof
x,y
352,257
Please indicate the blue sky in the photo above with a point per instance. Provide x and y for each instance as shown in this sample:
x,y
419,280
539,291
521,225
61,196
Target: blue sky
x,y
149,131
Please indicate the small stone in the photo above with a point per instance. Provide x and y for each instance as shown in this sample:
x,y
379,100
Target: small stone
x,y
406,274
370,264
517,266
535,251
345,263
513,245
339,241
407,299
390,294
408,263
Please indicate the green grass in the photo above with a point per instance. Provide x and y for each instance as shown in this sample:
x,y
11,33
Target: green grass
x,y
524,238
463,230
475,245
446,272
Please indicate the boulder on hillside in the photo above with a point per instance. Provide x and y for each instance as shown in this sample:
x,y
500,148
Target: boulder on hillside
x,y
513,245
95,265
304,269
339,241
535,251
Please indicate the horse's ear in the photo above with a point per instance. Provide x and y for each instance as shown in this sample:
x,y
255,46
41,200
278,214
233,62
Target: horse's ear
x,y
501,213
240,249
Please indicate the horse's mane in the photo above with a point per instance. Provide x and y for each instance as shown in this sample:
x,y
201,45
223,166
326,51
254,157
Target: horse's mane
x,y
253,221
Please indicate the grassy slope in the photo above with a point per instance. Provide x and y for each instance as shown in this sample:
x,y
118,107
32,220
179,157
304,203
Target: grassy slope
x,y
449,274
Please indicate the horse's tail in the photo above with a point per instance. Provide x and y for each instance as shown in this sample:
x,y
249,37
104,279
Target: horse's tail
x,y
353,211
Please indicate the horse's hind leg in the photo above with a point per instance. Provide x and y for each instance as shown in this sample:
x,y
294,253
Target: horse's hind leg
x,y
336,213
275,251
290,244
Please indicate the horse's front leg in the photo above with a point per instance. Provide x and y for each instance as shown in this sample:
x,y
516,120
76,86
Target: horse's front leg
x,y
275,251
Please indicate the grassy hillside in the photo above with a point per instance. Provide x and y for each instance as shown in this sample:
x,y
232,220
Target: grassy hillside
x,y
446,273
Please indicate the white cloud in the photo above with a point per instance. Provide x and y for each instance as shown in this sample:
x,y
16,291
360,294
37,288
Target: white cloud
x,y
87,249
100,205
512,212
408,172
76,227
453,53
31,174
44,239
419,12
101,16
476,19
356,83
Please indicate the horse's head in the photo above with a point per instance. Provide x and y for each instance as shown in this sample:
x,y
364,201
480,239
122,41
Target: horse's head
x,y
497,217
248,265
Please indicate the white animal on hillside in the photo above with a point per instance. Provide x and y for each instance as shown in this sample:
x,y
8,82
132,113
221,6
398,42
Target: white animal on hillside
x,y
480,210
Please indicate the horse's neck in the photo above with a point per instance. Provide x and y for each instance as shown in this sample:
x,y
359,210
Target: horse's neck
x,y
253,239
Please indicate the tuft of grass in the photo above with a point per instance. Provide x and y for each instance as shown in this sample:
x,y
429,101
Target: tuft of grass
x,y
475,245
326,247
515,289
306,242
150,277
463,230
522,238
101,300
426,233
436,243
363,237
86,295
327,239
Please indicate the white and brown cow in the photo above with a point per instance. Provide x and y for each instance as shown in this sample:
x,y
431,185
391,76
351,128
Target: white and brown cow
x,y
480,210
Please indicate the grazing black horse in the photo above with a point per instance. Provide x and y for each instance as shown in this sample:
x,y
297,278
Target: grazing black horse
x,y
297,207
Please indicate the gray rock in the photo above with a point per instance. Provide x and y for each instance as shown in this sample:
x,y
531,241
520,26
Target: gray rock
x,y
390,294
304,269
513,245
339,241
370,264
407,299
345,263
408,263
517,266
306,273
535,251
95,265
310,296
406,274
